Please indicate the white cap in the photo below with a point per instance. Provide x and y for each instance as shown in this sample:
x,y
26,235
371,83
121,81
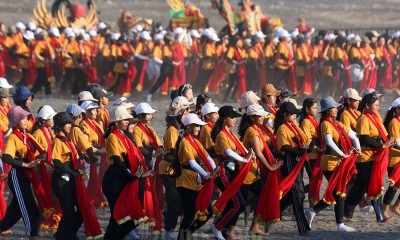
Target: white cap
x,y
29,35
194,33
115,36
54,31
144,108
46,112
350,37
31,26
395,103
145,35
20,25
375,33
396,34
67,30
158,37
178,31
260,34
123,101
138,28
256,110
87,105
207,32
92,33
38,31
70,34
209,108
330,37
101,26
86,96
285,34
295,33
163,32
192,118
77,31
4,83
86,37
119,113
214,37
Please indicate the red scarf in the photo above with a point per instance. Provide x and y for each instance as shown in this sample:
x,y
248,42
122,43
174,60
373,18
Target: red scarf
x,y
346,64
204,197
87,68
127,53
271,136
44,173
241,69
47,57
128,206
269,197
292,74
157,179
307,83
352,114
394,177
92,226
379,167
387,78
316,174
272,108
286,184
140,84
94,184
237,182
31,174
346,169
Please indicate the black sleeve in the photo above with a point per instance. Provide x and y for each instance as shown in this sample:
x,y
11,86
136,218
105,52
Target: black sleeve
x,y
144,151
63,167
121,166
357,61
92,157
121,59
283,57
213,154
168,60
9,160
229,60
367,141
171,156
292,150
312,145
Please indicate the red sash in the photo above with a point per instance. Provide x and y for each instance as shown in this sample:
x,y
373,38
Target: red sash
x,y
49,68
149,135
266,212
387,78
45,175
316,174
95,127
379,167
307,83
234,186
292,74
92,226
271,135
241,69
346,64
204,197
286,184
128,206
272,108
344,171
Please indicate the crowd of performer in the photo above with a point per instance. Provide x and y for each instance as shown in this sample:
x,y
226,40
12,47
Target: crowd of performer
x,y
63,167
156,60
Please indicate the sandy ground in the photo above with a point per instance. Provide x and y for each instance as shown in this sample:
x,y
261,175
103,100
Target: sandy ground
x,y
324,226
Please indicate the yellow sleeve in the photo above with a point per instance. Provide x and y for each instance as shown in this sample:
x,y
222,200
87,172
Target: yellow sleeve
x,y
205,137
338,54
299,55
60,151
186,152
139,48
40,138
307,127
282,137
170,139
230,54
363,126
114,147
157,138
394,129
209,51
10,146
137,136
79,139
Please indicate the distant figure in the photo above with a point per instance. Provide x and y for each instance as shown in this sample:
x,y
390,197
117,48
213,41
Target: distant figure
x,y
303,27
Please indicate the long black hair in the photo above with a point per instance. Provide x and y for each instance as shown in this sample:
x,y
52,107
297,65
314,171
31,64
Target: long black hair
x,y
279,119
219,125
307,103
245,122
367,100
389,116
324,114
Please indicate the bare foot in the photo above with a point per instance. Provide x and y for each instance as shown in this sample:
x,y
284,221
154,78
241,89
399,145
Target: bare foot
x,y
258,232
394,210
232,236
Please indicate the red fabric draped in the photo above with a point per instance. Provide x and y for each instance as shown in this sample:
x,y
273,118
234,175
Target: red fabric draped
x,y
87,67
234,186
316,174
344,171
307,85
128,206
387,78
179,77
241,70
268,210
286,184
262,67
32,71
44,174
47,57
379,167
194,66
94,184
92,226
292,84
348,74
157,179
204,197
218,75
142,76
370,74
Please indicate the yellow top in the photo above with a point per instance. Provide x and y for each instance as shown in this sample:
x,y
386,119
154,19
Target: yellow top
x,y
93,137
40,48
170,139
24,50
301,55
366,127
41,138
309,129
205,137
223,142
209,52
284,136
79,139
141,140
282,50
249,135
348,120
329,162
114,147
61,151
14,146
394,131
188,178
